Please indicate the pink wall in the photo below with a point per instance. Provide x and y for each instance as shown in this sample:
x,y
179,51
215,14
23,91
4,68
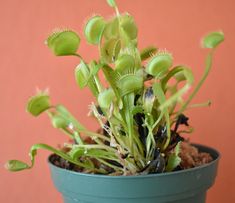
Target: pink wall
x,y
26,63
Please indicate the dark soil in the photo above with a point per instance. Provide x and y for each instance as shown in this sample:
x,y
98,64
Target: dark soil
x,y
62,163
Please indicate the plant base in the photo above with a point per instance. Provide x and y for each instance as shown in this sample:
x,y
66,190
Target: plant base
x,y
185,186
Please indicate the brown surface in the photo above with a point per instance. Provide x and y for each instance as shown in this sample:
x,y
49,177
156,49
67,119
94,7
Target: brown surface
x,y
191,157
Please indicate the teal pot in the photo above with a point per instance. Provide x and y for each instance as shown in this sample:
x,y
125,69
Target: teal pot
x,y
185,186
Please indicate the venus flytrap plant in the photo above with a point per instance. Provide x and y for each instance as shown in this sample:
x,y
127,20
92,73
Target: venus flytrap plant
x,y
139,111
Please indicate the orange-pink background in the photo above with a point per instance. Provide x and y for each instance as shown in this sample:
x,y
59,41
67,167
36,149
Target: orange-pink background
x,y
26,63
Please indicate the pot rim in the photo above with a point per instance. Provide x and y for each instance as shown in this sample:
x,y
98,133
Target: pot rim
x,y
216,156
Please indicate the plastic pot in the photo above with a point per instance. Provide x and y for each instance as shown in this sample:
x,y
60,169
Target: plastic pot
x,y
185,186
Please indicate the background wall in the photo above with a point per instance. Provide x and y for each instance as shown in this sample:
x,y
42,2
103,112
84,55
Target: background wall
x,y
26,63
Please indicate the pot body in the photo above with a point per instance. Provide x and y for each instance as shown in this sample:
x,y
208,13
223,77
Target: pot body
x,y
186,186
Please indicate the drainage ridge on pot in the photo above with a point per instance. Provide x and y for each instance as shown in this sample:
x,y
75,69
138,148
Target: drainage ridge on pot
x,y
185,186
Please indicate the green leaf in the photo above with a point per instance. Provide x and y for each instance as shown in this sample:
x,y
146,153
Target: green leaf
x,y
175,97
200,83
112,3
94,29
173,162
16,165
147,52
111,76
78,151
213,39
180,76
210,41
128,102
174,159
59,121
69,117
159,65
136,147
136,109
95,69
110,50
63,42
128,26
82,73
36,147
105,98
126,77
84,77
125,63
188,74
38,104
111,29
133,52
129,83
172,73
158,91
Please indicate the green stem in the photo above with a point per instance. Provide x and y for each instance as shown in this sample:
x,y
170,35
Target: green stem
x,y
128,102
117,11
98,83
109,165
94,146
79,56
94,135
207,70
35,147
208,103
65,131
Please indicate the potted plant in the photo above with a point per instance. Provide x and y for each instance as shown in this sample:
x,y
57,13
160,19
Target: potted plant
x,y
138,154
